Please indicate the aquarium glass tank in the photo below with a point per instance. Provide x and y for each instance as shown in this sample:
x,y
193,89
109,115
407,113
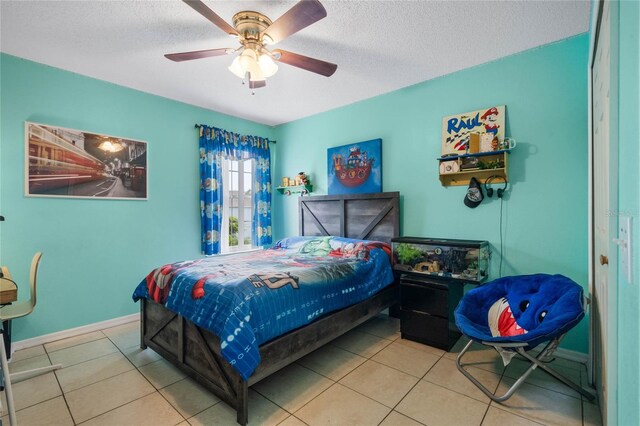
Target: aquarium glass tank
x,y
466,260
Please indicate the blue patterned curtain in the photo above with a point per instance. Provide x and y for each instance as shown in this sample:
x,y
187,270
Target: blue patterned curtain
x,y
217,145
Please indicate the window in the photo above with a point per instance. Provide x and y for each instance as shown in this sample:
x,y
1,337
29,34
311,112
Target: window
x,y
237,210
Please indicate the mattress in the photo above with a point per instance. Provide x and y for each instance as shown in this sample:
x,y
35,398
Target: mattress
x,y
247,299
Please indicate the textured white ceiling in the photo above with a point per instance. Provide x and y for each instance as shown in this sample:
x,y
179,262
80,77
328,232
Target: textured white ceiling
x,y
379,46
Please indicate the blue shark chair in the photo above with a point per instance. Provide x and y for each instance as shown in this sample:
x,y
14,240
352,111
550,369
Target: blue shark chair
x,y
516,314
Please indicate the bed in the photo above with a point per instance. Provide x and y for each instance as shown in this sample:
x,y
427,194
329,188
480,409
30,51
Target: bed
x,y
189,345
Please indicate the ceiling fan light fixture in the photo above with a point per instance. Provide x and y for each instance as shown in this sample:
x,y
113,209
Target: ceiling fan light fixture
x,y
247,59
255,73
268,67
259,67
236,68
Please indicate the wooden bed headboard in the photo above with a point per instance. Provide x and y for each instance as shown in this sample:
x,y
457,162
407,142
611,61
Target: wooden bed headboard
x,y
373,216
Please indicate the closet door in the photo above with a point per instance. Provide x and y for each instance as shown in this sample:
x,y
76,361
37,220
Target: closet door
x,y
602,207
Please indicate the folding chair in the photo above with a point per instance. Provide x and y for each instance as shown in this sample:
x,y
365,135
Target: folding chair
x,y
515,315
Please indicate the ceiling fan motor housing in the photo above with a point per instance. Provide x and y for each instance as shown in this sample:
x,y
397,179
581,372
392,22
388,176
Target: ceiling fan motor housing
x,y
250,25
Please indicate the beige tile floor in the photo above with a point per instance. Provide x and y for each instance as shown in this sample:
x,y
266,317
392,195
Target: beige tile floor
x,y
370,376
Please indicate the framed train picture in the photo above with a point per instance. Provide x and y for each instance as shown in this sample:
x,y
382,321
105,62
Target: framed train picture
x,y
355,168
73,163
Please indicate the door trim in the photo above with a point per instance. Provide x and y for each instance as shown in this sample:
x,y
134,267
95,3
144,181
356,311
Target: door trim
x,y
611,407
593,38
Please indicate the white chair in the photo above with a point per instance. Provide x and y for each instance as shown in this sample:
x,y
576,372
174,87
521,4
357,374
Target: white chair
x,y
11,312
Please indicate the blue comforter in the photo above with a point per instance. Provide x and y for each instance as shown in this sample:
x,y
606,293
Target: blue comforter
x,y
248,299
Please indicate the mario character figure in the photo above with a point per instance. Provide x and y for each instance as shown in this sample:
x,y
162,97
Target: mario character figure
x,y
490,121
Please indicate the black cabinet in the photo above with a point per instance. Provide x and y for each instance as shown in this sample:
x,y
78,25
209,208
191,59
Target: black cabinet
x,y
426,310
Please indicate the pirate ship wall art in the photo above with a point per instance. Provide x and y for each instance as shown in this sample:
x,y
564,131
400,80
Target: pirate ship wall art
x,y
457,129
355,168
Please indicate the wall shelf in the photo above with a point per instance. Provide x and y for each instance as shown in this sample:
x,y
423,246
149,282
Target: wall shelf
x,y
478,154
298,189
463,176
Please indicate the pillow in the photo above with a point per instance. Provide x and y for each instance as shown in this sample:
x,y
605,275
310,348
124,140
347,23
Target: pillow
x,y
331,246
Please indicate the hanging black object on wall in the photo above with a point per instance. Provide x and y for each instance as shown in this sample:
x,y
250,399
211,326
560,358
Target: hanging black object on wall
x,y
500,192
474,196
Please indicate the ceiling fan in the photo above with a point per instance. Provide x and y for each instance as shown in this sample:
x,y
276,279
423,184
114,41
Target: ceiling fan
x,y
255,32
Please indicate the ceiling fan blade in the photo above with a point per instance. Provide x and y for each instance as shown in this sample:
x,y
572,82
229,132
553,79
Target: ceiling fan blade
x,y
203,10
300,16
257,84
306,63
198,54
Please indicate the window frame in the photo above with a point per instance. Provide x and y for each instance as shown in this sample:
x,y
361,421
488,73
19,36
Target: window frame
x,y
226,205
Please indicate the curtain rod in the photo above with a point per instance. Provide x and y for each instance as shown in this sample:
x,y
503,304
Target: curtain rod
x,y
197,126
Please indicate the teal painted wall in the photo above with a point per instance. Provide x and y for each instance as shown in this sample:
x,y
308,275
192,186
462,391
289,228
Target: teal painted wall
x,y
628,365
96,251
545,211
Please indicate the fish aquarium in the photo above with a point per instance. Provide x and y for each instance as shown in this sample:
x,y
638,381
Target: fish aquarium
x,y
466,260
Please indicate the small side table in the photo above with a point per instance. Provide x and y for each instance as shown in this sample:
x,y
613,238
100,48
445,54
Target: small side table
x,y
8,290
426,310
8,295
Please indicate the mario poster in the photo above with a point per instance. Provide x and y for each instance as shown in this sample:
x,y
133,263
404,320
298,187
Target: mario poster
x,y
456,129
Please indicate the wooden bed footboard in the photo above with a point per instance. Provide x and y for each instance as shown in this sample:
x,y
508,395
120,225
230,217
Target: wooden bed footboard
x,y
197,351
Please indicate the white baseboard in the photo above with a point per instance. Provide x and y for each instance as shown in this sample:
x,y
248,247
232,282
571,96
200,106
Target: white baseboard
x,y
52,337
570,355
